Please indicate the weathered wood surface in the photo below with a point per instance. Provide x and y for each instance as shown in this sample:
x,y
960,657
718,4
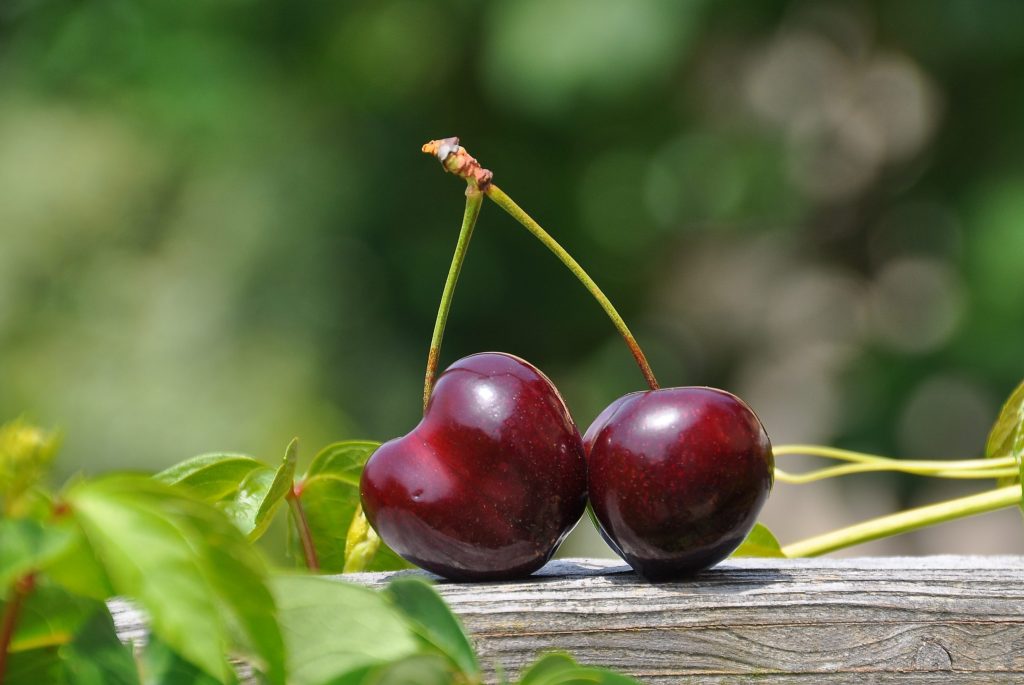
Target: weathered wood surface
x,y
880,620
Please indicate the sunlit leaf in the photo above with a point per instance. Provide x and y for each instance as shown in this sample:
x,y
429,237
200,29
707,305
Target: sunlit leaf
x,y
422,669
244,507
330,499
760,542
1006,438
361,543
549,664
332,628
261,493
29,545
343,460
79,570
193,572
211,476
561,669
433,622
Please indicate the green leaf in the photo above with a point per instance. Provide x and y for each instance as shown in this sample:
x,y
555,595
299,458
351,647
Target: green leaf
x,y
161,665
423,669
51,616
35,667
330,498
548,665
244,507
284,480
97,657
196,576
261,494
433,622
760,542
94,656
1007,435
28,545
560,669
80,571
387,559
333,628
211,477
361,543
343,460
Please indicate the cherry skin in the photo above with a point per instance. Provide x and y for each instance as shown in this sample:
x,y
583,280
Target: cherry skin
x,y
491,480
677,477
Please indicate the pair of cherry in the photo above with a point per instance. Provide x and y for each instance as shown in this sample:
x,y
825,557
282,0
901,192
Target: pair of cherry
x,y
496,475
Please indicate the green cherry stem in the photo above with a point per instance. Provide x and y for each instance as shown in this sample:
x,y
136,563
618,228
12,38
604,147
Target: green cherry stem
x,y
457,161
865,463
863,458
505,202
848,469
474,200
905,521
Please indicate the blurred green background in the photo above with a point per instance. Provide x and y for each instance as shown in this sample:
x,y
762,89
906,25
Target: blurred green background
x,y
217,230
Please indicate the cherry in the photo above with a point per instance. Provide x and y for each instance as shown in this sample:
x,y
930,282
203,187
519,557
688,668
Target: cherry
x,y
677,477
491,480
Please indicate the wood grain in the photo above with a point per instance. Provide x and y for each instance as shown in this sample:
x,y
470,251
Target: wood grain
x,y
880,620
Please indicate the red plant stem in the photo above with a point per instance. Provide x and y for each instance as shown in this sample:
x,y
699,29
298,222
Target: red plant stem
x,y
302,526
19,591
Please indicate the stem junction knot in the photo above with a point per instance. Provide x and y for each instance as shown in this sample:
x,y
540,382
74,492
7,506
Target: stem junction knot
x,y
456,160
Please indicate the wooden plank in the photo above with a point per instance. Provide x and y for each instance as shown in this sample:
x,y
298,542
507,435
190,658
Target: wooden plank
x,y
908,620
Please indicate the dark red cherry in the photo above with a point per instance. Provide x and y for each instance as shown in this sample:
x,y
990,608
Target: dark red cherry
x,y
677,477
491,480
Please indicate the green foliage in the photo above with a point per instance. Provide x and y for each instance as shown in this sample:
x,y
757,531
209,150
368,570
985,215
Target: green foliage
x,y
25,455
51,616
760,542
27,545
189,567
161,665
92,656
432,622
211,477
421,669
80,571
1006,439
560,669
330,497
251,494
280,487
333,628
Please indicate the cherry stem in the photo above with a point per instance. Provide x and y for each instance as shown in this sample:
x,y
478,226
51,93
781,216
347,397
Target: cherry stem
x,y
863,463
474,200
19,591
505,202
861,457
456,160
906,521
302,526
848,469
